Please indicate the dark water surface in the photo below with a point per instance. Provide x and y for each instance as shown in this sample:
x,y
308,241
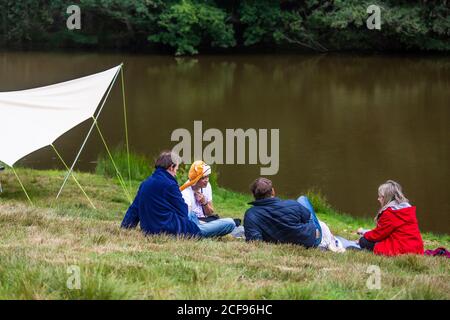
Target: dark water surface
x,y
347,123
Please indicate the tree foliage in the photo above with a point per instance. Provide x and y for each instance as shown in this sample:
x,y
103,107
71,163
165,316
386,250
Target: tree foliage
x,y
187,26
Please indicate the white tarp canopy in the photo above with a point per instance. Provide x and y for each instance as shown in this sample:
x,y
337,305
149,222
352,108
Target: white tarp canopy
x,y
35,118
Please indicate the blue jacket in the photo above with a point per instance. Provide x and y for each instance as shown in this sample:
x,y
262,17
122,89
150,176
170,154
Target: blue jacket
x,y
159,207
279,221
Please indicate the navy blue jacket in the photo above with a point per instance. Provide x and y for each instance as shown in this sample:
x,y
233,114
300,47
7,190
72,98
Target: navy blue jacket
x,y
159,207
279,221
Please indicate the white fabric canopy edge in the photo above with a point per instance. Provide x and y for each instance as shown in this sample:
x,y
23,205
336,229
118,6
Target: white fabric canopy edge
x,y
34,118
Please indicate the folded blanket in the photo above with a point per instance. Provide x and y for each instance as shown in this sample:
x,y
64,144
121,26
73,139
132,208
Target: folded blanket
x,y
438,252
347,244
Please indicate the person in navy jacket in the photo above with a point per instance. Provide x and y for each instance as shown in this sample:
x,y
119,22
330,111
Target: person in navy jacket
x,y
159,205
279,221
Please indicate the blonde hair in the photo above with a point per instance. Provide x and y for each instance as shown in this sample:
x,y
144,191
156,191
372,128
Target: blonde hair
x,y
392,194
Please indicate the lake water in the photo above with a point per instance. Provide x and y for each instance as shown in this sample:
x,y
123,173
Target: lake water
x,y
347,122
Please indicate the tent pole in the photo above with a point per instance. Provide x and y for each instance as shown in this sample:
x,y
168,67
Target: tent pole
x,y
126,126
76,159
73,176
87,137
119,175
23,188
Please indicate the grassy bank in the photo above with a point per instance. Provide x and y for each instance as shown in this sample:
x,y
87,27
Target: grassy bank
x,y
38,244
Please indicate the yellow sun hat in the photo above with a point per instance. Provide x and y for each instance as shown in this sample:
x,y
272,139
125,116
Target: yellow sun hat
x,y
198,170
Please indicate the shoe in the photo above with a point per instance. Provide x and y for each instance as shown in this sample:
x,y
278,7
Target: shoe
x,y
237,222
238,232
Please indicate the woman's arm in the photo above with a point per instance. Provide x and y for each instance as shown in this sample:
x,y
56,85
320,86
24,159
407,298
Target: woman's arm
x,y
208,208
385,226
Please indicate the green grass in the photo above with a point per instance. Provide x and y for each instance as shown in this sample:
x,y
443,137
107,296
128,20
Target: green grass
x,y
38,244
139,165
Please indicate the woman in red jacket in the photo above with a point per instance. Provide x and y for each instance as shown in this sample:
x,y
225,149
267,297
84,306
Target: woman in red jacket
x,y
397,231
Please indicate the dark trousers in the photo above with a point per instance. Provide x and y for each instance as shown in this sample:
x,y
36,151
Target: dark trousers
x,y
366,244
209,218
215,217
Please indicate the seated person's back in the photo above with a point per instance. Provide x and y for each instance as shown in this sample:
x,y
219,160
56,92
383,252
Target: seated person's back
x,y
274,220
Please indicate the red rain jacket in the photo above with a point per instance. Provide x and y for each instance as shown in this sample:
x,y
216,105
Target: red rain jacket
x,y
397,232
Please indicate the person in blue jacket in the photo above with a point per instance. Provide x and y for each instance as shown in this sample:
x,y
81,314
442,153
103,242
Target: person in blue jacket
x,y
280,221
159,206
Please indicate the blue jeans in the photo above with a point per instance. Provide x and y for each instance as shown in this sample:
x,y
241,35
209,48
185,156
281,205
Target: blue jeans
x,y
216,228
304,201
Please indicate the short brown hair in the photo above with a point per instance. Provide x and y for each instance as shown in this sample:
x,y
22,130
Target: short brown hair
x,y
167,159
261,188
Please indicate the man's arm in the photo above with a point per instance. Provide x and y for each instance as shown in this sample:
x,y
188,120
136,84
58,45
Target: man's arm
x,y
304,214
131,218
252,231
176,199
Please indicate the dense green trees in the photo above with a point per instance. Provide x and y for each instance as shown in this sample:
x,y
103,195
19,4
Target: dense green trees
x,y
185,25
190,26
